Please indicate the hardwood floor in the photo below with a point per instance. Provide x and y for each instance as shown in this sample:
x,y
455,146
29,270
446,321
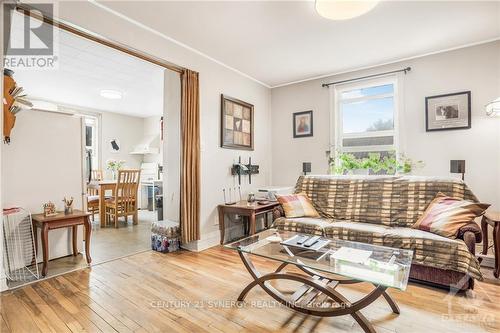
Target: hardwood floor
x,y
106,244
195,292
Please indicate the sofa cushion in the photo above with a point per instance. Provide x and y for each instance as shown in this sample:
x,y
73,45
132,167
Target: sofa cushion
x,y
307,225
297,205
446,215
428,249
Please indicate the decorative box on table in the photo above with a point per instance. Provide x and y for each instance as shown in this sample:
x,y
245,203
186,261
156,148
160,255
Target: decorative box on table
x,y
165,236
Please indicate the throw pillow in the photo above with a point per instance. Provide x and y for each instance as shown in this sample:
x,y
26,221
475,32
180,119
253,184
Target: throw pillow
x,y
297,205
446,215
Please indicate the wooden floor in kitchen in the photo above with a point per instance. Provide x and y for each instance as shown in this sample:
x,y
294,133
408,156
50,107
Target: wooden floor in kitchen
x,y
106,244
195,292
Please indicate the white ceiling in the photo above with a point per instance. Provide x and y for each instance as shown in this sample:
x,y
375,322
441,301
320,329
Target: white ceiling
x,y
85,68
278,42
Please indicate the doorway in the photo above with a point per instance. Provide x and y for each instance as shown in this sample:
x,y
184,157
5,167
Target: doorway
x,y
127,130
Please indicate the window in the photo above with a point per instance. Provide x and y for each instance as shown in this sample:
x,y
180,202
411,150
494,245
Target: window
x,y
366,117
91,139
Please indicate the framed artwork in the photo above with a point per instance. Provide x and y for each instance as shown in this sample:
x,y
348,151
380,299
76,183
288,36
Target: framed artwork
x,y
302,124
236,124
447,112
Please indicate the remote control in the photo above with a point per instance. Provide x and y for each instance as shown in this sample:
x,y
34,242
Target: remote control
x,y
312,241
301,239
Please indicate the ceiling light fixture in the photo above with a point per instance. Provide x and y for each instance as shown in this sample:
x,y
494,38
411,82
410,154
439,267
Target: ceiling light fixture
x,y
111,94
344,9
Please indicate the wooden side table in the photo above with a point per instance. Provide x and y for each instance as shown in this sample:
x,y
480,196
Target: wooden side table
x,y
492,219
61,220
244,208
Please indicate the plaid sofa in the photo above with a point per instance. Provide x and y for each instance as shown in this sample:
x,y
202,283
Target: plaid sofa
x,y
381,210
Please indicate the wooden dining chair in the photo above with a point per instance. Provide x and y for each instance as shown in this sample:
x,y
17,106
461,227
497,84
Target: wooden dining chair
x,y
93,193
124,201
95,175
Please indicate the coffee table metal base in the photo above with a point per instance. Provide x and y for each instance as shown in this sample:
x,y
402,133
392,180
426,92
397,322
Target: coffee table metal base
x,y
316,292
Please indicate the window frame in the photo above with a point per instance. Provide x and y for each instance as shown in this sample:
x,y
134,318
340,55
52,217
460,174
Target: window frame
x,y
337,134
96,152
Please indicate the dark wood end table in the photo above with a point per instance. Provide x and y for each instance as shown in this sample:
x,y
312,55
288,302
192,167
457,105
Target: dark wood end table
x,y
492,219
58,221
244,208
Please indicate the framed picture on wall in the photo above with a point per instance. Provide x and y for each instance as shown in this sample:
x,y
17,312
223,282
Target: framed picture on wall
x,y
447,112
236,124
302,124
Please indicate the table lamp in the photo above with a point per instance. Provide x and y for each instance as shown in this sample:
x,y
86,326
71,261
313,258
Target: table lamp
x,y
457,166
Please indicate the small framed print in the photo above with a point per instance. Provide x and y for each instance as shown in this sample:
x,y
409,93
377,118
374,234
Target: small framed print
x,y
236,124
302,124
448,112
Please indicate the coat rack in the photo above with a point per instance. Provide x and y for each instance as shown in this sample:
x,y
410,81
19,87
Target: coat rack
x,y
240,169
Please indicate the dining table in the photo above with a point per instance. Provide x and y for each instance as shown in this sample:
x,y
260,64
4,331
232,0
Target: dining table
x,y
102,186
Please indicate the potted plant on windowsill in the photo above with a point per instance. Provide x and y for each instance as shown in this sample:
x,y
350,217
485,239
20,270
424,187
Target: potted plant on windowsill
x,y
373,164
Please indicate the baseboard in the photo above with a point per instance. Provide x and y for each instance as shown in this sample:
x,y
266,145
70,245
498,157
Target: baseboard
x,y
488,260
3,284
210,240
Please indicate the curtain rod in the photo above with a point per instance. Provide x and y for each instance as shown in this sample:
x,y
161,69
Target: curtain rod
x,y
405,70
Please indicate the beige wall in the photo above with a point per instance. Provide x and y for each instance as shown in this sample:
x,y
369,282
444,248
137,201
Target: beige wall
x,y
214,80
151,127
129,131
3,281
44,162
172,147
475,68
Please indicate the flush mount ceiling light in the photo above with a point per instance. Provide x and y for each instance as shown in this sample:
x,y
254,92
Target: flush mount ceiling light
x,y
111,94
344,9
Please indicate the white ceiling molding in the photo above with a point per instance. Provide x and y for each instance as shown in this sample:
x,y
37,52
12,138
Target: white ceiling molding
x,y
170,39
387,63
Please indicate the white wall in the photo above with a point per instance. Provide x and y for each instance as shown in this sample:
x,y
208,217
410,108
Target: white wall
x,y
214,80
3,280
475,68
151,127
129,131
172,147
44,162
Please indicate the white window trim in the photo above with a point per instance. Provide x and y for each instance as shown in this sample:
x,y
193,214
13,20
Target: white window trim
x,y
96,140
336,118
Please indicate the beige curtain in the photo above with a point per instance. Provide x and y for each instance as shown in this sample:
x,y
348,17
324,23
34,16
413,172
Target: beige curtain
x,y
190,159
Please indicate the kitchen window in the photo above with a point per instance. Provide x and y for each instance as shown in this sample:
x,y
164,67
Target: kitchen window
x,y
91,140
366,117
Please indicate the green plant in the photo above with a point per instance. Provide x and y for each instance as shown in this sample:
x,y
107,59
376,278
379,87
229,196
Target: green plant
x,y
345,163
392,163
114,165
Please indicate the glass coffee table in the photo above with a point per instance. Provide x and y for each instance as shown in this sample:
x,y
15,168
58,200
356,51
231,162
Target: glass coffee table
x,y
321,268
